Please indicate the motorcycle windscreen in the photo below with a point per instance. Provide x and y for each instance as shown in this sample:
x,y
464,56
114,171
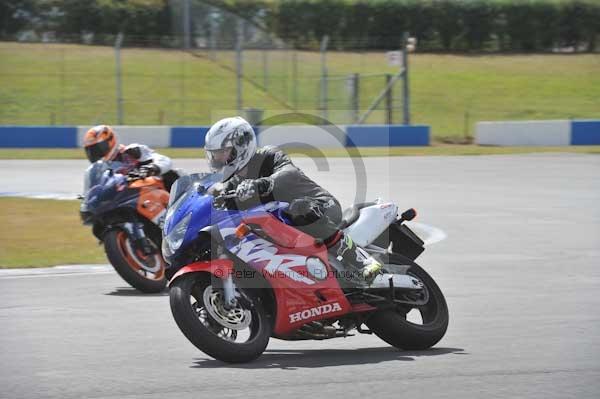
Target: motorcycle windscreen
x,y
195,181
95,173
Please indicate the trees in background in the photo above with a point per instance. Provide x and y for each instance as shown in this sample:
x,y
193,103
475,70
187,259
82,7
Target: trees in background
x,y
440,25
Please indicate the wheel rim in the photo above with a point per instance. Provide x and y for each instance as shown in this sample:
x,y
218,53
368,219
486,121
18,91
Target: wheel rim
x,y
235,318
421,315
151,267
236,325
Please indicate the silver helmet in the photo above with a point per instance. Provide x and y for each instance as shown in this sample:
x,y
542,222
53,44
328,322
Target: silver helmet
x,y
229,145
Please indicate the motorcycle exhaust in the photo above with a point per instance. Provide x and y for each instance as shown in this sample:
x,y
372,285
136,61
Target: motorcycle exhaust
x,y
399,281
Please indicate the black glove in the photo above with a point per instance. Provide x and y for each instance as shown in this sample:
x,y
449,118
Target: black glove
x,y
134,152
133,175
149,170
254,189
246,190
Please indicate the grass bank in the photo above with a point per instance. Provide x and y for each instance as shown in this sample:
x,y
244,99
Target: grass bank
x,y
38,233
75,85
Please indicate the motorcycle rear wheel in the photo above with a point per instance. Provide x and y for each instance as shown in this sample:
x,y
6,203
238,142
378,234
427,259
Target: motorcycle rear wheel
x,y
197,310
392,325
131,265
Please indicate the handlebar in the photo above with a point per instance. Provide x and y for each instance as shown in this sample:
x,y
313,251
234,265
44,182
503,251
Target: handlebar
x,y
227,195
222,200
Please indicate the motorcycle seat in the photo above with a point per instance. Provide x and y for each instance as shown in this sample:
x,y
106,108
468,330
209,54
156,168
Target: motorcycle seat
x,y
350,215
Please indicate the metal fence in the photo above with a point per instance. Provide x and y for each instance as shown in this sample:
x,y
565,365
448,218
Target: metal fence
x,y
216,64
58,83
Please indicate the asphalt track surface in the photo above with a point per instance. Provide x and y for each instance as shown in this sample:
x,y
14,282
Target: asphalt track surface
x,y
520,270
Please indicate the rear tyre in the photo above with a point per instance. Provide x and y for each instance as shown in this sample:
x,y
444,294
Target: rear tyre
x,y
392,326
145,273
235,335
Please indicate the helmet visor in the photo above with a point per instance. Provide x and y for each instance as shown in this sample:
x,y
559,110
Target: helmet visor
x,y
96,151
218,159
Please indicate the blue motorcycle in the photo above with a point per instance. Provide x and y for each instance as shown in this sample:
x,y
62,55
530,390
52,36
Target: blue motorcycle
x,y
238,277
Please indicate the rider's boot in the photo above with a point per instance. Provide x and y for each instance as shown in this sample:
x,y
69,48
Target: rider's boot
x,y
350,254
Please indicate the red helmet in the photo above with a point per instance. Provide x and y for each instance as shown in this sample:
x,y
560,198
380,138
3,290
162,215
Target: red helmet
x,y
100,142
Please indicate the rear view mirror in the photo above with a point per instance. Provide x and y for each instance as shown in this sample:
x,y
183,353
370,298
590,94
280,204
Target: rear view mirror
x,y
408,214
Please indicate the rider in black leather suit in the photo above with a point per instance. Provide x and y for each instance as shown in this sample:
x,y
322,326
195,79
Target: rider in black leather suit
x,y
260,175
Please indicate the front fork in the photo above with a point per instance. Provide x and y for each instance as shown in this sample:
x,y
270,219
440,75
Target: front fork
x,y
229,292
140,241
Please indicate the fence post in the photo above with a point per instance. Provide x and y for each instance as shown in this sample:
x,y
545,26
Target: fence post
x,y
295,78
213,38
118,78
265,62
354,87
466,126
182,90
388,101
405,90
62,86
239,63
324,98
186,24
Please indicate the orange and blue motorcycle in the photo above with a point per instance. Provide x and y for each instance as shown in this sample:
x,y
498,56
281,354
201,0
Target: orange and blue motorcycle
x,y
126,212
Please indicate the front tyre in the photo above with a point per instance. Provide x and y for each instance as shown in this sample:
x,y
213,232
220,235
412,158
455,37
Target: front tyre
x,y
393,325
235,335
145,273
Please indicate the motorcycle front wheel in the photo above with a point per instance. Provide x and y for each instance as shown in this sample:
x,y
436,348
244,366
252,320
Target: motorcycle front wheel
x,y
412,327
143,272
235,335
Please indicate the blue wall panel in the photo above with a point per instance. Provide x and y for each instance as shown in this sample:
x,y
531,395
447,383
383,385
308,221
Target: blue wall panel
x,y
38,136
188,136
386,135
585,133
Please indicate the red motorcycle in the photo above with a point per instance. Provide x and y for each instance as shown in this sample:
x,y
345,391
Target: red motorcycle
x,y
238,278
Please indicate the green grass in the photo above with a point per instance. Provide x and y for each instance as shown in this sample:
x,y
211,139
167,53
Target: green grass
x,y
75,85
434,150
38,233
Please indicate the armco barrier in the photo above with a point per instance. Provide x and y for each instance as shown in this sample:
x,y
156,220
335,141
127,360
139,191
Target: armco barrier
x,y
193,136
538,133
523,133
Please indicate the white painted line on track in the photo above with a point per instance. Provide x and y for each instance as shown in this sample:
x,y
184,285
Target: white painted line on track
x,y
56,271
39,195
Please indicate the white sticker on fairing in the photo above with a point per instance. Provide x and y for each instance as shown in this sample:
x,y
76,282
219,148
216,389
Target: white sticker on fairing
x,y
314,312
258,250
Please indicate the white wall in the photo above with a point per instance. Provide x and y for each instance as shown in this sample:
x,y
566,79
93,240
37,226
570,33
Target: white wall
x,y
298,136
524,133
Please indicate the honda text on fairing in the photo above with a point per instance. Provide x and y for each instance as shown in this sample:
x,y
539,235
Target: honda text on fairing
x,y
238,278
126,212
